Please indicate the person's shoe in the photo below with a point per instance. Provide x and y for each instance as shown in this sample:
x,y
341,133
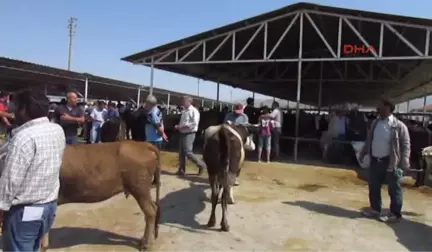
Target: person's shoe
x,y
370,213
390,218
180,172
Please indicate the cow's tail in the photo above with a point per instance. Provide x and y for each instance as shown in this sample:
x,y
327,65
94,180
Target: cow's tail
x,y
224,147
224,158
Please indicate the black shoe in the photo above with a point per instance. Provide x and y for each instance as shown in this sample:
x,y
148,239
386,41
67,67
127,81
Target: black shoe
x,y
390,218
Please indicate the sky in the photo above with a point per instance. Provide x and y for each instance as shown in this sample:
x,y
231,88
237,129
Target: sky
x,y
108,30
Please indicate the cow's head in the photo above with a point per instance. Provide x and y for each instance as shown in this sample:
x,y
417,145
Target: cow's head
x,y
246,132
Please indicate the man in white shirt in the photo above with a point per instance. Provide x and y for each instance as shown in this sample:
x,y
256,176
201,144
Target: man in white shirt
x,y
388,144
188,128
98,117
29,183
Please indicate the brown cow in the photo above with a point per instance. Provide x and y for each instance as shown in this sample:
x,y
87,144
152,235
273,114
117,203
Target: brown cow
x,y
224,153
96,172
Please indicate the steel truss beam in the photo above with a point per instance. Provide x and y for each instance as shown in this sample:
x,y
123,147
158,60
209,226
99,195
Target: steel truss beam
x,y
181,54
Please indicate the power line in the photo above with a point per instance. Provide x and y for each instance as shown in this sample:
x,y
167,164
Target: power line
x,y
72,27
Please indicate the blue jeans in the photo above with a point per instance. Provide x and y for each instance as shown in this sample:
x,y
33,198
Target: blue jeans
x,y
21,235
71,139
378,175
95,134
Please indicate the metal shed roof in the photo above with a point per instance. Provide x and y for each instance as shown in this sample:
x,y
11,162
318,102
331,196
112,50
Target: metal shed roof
x,y
17,74
261,54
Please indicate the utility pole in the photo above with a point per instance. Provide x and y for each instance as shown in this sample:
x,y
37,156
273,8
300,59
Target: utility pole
x,y
198,87
71,26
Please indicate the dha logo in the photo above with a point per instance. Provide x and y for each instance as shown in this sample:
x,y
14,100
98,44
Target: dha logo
x,y
358,49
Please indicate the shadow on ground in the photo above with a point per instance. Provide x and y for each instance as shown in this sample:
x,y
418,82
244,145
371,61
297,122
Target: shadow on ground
x,y
179,208
71,236
412,235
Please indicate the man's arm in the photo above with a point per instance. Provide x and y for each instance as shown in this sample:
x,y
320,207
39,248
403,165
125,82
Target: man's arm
x,y
6,122
245,119
366,147
155,121
6,114
195,120
18,159
405,146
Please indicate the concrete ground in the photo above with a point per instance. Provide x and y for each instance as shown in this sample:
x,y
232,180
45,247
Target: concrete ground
x,y
280,207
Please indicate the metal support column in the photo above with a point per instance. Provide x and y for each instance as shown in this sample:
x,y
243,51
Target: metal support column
x,y
198,87
217,96
424,108
168,103
151,77
46,89
253,95
320,87
408,106
139,97
299,75
202,103
86,90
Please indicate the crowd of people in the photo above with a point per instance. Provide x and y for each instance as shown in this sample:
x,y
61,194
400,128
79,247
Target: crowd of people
x,y
29,183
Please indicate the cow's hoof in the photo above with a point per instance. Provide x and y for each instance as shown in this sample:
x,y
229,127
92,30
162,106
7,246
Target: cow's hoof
x,y
225,227
230,201
211,223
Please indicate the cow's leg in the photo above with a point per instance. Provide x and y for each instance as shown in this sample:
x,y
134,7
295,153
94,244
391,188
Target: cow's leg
x,y
215,189
149,209
225,196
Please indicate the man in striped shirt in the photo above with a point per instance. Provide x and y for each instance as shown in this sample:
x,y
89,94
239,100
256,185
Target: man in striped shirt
x,y
29,183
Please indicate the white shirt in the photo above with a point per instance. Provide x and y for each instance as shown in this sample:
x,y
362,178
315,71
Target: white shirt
x,y
276,114
99,115
32,166
382,137
190,116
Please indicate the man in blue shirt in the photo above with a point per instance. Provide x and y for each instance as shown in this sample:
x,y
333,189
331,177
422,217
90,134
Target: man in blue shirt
x,y
237,116
113,112
154,129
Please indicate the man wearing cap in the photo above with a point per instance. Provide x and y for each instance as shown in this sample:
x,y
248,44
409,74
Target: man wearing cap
x,y
154,129
388,144
188,128
237,116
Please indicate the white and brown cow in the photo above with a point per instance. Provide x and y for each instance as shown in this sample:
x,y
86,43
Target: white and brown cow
x,y
224,153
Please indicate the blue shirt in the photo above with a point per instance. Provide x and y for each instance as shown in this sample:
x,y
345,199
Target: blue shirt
x,y
154,117
113,113
236,118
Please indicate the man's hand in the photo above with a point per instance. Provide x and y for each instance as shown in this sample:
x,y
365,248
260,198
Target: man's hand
x,y
165,137
177,126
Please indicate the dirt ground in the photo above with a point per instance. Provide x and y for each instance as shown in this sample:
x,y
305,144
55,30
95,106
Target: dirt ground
x,y
280,207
